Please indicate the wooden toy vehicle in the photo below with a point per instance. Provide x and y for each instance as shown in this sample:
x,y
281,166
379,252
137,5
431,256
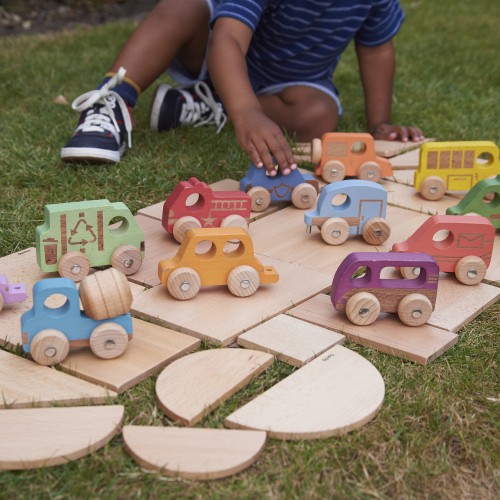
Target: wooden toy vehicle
x,y
11,293
360,291
483,199
460,244
214,256
193,203
340,155
301,189
361,210
454,166
105,324
76,236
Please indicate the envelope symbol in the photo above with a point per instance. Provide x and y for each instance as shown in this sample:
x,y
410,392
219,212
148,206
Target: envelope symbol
x,y
470,240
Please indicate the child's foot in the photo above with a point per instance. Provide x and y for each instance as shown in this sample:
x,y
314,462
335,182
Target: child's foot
x,y
105,125
174,107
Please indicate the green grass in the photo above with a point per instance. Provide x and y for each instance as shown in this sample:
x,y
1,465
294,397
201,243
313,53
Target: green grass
x,y
437,435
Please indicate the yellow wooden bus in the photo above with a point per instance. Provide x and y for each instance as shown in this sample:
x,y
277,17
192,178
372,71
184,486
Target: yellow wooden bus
x,y
454,166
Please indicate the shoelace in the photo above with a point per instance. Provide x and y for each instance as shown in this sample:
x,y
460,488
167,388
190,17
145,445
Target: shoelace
x,y
104,117
206,112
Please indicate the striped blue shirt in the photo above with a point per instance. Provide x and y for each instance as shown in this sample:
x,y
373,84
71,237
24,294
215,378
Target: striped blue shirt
x,y
302,40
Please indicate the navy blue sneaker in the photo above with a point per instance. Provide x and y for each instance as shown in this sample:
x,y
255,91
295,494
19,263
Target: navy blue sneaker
x,y
105,126
175,106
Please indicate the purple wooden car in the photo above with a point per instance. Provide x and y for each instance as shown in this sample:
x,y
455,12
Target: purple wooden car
x,y
9,294
299,188
359,289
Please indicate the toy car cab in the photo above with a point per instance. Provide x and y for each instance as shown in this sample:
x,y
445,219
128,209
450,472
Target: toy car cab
x,y
193,203
301,189
214,256
359,289
76,236
483,199
340,154
460,244
454,166
348,208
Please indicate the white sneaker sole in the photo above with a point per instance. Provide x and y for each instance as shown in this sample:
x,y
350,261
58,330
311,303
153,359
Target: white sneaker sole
x,y
91,154
156,106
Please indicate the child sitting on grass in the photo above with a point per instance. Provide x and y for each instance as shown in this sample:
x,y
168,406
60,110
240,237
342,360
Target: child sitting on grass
x,y
270,62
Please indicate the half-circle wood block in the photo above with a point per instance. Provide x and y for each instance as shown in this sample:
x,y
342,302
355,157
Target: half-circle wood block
x,y
41,437
192,386
193,453
337,392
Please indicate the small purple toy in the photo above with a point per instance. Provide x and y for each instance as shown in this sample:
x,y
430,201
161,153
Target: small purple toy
x,y
10,294
363,287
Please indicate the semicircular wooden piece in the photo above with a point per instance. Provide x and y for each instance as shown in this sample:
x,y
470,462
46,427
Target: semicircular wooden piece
x,y
192,386
193,453
41,437
337,392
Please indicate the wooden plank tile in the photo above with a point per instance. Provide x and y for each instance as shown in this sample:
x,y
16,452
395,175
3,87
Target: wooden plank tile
x,y
21,267
43,437
151,349
458,304
293,341
218,316
24,383
334,394
405,177
388,149
420,344
408,160
223,371
199,454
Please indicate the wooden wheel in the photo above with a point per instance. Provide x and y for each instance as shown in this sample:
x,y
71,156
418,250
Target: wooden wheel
x,y
49,347
376,231
414,309
234,220
370,171
335,231
261,198
108,340
243,281
470,270
409,272
127,259
74,265
333,171
304,196
1,302
183,283
183,225
316,150
362,308
432,188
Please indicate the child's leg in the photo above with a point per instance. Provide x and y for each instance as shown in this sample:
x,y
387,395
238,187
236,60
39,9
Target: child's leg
x,y
305,112
173,29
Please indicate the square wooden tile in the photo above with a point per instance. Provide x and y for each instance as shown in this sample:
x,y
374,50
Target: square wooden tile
x,y
293,341
21,267
420,344
218,316
150,350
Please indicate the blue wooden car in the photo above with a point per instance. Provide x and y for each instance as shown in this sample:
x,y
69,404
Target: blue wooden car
x,y
48,332
349,208
299,188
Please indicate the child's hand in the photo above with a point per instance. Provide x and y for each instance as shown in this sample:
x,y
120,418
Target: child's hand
x,y
388,132
263,140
